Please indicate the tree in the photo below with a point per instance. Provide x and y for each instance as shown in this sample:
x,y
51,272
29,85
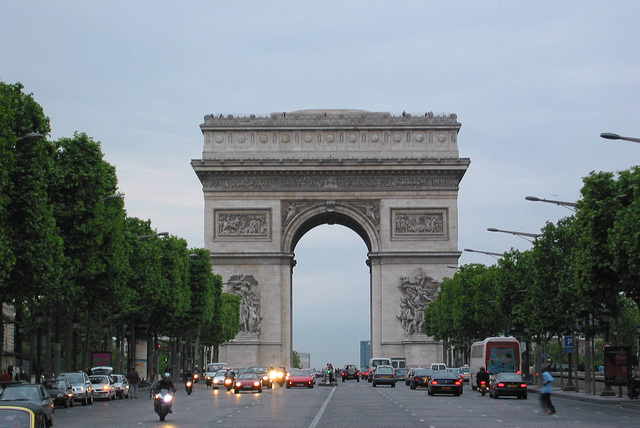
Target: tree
x,y
296,360
30,246
93,228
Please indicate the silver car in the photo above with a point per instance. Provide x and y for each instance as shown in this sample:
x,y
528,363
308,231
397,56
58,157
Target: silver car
x,y
218,379
103,387
82,386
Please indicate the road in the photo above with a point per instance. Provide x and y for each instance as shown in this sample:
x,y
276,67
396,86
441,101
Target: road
x,y
348,404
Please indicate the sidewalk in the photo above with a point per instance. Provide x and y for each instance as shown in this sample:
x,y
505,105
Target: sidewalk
x,y
624,402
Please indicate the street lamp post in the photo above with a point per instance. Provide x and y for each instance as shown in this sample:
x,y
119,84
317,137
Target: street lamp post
x,y
612,136
523,235
569,205
488,253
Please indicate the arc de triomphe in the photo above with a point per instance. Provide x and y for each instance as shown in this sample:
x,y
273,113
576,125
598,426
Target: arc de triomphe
x,y
392,179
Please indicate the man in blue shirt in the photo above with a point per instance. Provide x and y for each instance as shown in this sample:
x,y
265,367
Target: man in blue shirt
x,y
545,392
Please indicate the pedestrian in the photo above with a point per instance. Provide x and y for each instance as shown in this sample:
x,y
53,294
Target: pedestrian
x,y
545,392
134,380
6,377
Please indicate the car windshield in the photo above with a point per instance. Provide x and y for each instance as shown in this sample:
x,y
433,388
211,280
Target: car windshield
x,y
299,373
22,392
247,376
53,384
98,379
423,372
464,369
510,377
257,369
73,377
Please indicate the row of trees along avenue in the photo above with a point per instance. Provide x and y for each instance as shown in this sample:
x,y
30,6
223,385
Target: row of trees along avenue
x,y
76,274
582,277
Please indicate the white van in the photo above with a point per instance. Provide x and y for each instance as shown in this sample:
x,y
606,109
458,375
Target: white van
x,y
438,366
375,362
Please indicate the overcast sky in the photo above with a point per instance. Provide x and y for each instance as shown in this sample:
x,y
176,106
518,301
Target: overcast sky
x,y
533,84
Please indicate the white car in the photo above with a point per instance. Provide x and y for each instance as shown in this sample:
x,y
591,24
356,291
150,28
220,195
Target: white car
x,y
103,387
218,379
121,384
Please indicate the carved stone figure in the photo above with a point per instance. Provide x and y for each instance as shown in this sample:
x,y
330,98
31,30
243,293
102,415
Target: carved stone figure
x,y
417,292
246,287
242,224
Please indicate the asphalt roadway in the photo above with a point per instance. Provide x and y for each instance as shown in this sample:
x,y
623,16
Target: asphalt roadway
x,y
354,404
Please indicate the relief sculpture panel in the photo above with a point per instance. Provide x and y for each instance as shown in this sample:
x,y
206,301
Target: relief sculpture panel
x,y
246,287
419,223
417,291
250,224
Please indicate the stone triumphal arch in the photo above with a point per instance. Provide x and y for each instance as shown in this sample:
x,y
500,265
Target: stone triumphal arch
x,y
392,179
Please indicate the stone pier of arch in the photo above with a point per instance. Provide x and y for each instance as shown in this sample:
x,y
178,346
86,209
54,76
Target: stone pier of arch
x,y
394,180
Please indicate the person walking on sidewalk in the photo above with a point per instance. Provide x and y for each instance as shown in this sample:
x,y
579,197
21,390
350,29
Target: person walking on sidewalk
x,y
545,392
134,380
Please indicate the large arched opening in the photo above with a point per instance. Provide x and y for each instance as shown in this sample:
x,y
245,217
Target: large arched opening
x,y
331,296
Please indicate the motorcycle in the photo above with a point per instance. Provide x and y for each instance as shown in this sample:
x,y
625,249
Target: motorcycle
x,y
483,388
162,403
188,386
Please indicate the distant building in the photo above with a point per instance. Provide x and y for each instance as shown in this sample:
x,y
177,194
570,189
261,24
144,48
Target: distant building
x,y
365,352
305,360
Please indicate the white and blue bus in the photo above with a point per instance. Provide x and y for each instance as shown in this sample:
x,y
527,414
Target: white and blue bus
x,y
496,355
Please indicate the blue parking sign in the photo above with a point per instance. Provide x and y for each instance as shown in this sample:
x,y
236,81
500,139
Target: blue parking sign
x,y
568,341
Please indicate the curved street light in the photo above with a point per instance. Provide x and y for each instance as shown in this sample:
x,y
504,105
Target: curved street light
x,y
568,205
488,253
30,136
612,136
523,235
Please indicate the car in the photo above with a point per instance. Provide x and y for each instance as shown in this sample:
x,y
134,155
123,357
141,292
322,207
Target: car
x,y
384,375
504,384
438,366
457,372
420,378
250,381
364,373
121,383
299,378
401,374
101,370
263,373
22,414
466,372
445,382
350,372
208,377
218,379
82,386
103,387
60,390
30,393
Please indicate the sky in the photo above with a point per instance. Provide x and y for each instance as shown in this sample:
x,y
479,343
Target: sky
x,y
533,84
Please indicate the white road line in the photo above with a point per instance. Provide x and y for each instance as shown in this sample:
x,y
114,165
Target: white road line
x,y
321,411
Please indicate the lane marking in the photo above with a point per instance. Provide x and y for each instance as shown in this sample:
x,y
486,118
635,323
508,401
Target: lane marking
x,y
321,411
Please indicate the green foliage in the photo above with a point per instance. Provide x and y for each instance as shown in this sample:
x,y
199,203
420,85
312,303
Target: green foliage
x,y
296,360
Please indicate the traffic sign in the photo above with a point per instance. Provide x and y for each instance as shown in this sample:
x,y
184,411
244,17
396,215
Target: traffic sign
x,y
568,341
605,345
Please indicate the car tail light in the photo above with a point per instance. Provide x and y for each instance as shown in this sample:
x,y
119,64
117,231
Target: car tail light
x,y
523,385
518,372
342,373
457,382
483,383
434,382
500,385
416,378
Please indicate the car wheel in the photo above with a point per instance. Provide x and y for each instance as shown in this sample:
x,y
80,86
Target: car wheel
x,y
524,397
343,379
413,386
456,394
71,403
85,401
430,393
50,421
260,391
393,385
374,384
495,395
288,386
235,391
91,400
310,386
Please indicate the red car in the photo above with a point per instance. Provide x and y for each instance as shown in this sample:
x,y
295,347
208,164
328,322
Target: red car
x,y
299,378
248,381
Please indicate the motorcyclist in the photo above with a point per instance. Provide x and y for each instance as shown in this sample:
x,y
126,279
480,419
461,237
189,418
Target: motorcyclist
x,y
482,375
165,383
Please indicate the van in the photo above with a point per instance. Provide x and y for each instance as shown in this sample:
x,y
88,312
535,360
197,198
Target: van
x,y
438,366
375,362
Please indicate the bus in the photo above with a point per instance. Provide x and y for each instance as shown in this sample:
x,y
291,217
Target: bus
x,y
496,355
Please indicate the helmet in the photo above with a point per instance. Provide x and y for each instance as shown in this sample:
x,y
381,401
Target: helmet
x,y
166,376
